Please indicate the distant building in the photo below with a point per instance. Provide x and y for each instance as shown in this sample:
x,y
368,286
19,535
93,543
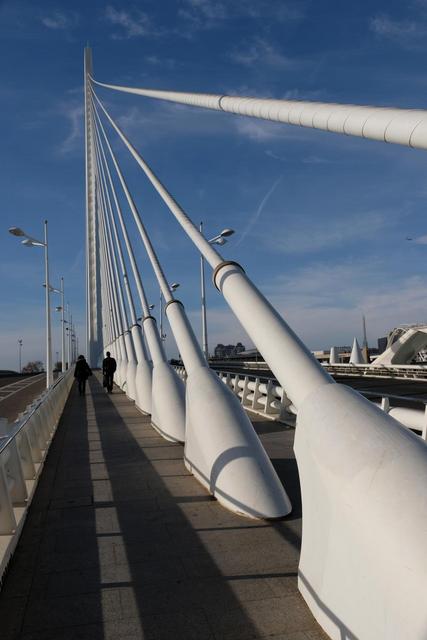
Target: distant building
x,y
239,348
228,350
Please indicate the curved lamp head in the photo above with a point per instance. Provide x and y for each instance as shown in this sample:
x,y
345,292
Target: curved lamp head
x,y
16,231
226,232
174,286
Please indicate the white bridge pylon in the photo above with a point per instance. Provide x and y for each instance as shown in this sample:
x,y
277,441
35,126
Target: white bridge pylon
x,y
363,476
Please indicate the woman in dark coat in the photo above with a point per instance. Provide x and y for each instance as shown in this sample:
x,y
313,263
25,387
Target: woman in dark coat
x,y
82,372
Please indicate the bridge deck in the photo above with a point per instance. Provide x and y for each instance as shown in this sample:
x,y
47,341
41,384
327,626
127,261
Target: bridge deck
x,y
122,542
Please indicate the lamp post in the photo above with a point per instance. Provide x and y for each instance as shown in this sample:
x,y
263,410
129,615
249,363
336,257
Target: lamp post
x,y
32,242
61,308
20,354
173,287
221,239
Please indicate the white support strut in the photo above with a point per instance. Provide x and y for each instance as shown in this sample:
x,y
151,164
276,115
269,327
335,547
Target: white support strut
x,y
407,127
363,475
217,429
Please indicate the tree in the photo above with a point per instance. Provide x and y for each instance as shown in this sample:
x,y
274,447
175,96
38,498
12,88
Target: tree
x,y
33,367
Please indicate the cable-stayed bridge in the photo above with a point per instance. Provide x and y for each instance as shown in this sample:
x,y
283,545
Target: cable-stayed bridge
x,y
116,465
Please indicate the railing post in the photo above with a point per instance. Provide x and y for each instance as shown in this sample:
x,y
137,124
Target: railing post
x,y
424,432
269,398
245,391
12,467
257,394
7,517
385,404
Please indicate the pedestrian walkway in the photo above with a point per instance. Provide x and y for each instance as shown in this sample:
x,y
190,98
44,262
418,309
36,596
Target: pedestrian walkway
x,y
122,543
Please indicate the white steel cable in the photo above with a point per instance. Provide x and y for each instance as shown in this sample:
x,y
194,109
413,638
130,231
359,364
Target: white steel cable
x,y
129,295
290,360
407,127
212,256
105,298
137,276
112,246
155,345
109,270
186,340
157,268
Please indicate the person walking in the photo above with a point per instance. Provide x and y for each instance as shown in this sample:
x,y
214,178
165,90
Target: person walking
x,y
82,372
109,365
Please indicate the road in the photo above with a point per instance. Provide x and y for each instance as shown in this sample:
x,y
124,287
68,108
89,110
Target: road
x,y
17,392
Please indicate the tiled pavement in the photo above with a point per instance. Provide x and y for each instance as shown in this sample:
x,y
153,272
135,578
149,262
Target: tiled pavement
x,y
122,543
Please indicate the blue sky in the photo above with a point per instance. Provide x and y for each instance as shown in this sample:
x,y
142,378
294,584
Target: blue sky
x,y
320,220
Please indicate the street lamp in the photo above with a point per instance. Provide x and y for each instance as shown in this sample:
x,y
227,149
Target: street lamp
x,y
61,308
220,239
32,242
20,354
173,287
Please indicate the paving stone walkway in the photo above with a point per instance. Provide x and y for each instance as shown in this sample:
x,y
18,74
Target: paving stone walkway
x,y
122,543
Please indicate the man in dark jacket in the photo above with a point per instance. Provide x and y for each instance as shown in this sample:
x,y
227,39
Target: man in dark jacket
x,y
82,372
109,366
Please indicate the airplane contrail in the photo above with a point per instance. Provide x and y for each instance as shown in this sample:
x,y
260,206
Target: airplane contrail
x,y
260,209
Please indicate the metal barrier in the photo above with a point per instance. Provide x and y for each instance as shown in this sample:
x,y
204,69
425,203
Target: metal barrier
x,y
23,449
263,396
397,371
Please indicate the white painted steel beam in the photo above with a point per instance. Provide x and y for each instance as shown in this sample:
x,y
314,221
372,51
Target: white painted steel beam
x,y
221,447
168,395
407,127
129,369
289,359
336,429
142,374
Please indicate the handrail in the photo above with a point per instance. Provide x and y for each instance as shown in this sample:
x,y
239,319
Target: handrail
x,y
24,445
27,416
273,403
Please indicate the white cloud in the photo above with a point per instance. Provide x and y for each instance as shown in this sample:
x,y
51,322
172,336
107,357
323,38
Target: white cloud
x,y
420,240
324,303
60,20
169,63
132,25
258,212
74,116
408,33
209,9
261,51
259,130
167,118
308,234
207,14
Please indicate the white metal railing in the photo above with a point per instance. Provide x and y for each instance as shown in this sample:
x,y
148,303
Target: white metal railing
x,y
263,396
23,448
398,371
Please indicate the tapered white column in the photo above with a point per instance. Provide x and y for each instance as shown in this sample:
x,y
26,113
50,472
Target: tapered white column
x,y
93,294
